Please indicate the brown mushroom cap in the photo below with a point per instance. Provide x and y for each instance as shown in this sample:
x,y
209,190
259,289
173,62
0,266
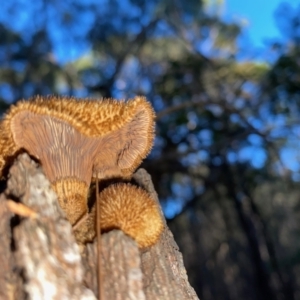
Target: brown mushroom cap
x,y
131,209
112,136
76,140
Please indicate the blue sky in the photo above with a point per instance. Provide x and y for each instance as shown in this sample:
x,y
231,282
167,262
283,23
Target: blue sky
x,y
259,14
260,28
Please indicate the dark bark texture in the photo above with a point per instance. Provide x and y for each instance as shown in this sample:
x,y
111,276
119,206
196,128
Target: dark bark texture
x,y
40,259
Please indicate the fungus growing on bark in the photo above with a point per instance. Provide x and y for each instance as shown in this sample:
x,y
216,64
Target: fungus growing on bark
x,y
76,140
131,209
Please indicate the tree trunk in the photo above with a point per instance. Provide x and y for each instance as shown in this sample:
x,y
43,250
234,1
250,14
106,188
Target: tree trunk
x,y
40,259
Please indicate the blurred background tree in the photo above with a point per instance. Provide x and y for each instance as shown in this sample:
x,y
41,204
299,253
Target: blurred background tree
x,y
225,160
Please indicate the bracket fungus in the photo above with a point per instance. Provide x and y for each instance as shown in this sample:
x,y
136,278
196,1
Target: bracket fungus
x,y
77,140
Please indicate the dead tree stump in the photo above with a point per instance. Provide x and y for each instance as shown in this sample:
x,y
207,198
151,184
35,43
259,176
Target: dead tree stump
x,y
40,259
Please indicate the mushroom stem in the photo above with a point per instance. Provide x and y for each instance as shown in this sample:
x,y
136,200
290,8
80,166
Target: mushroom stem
x,y
99,245
72,197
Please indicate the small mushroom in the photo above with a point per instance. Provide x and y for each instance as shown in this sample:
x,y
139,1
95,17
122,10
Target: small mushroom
x,y
77,140
132,210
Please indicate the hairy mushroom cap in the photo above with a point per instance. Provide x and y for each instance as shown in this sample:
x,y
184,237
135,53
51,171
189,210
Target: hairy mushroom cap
x,y
132,210
76,140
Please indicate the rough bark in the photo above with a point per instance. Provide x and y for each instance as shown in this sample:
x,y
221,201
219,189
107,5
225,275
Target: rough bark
x,y
162,265
40,259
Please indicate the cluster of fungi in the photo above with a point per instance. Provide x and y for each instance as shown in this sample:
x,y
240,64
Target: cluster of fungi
x,y
80,141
